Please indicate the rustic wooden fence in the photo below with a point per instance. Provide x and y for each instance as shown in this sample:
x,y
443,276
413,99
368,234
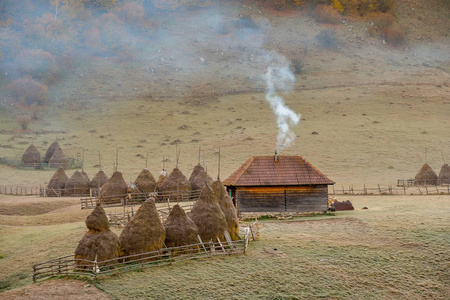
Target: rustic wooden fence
x,y
72,163
390,190
69,266
20,190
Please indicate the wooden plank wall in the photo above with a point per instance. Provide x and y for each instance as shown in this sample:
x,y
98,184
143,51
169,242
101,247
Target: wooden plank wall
x,y
282,199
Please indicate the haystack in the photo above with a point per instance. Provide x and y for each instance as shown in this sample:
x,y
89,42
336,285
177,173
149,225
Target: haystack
x,y
58,159
31,155
208,217
444,175
144,232
57,183
85,175
176,182
180,231
344,205
195,172
99,243
145,182
99,180
115,189
77,184
201,180
50,151
228,209
426,176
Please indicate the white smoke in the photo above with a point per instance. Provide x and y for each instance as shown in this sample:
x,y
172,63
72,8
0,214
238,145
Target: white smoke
x,y
281,78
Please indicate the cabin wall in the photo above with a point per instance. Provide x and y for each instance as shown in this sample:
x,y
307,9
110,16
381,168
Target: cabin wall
x,y
282,198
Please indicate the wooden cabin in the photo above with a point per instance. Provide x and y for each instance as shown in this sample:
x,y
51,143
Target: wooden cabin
x,y
283,183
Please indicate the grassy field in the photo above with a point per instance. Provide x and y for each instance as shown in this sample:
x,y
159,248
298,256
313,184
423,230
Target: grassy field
x,y
398,248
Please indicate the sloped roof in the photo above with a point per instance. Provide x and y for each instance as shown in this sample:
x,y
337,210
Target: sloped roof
x,y
286,170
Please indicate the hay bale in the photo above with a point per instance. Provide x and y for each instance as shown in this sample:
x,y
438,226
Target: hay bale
x,y
77,184
180,231
208,216
201,180
176,182
99,180
50,151
144,232
228,209
145,182
344,205
57,183
31,155
426,176
115,189
99,243
195,172
58,159
444,175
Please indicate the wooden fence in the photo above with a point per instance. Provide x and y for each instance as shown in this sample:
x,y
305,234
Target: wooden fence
x,y
21,190
389,190
69,266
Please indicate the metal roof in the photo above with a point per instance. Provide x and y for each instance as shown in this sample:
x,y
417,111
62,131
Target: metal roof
x,y
286,170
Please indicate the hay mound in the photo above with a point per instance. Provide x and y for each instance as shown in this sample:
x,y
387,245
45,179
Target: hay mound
x,y
144,232
99,180
99,243
444,175
195,172
77,184
208,217
145,182
426,176
115,189
228,209
57,183
58,159
176,182
201,180
50,151
85,175
344,205
180,231
31,155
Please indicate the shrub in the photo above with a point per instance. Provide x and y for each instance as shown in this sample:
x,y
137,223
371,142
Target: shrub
x,y
27,92
297,65
327,39
325,14
381,20
394,35
23,121
37,64
131,13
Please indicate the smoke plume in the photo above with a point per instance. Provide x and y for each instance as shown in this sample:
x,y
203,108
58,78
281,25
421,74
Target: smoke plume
x,y
281,78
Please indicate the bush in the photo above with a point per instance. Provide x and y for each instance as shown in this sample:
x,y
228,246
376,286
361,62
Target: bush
x,y
37,64
325,14
131,13
363,7
297,65
23,121
27,92
327,39
381,20
394,35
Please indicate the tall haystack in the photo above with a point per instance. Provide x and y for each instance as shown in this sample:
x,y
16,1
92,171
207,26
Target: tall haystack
x,y
161,178
31,155
58,159
228,209
208,217
180,231
145,182
144,232
57,183
85,175
50,151
176,182
115,189
201,180
77,184
99,243
195,172
444,175
99,180
426,176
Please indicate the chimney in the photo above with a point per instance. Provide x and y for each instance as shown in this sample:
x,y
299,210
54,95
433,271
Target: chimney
x,y
276,158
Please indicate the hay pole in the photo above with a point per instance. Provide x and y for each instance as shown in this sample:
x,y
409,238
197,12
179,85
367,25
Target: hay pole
x,y
443,158
146,161
218,171
117,159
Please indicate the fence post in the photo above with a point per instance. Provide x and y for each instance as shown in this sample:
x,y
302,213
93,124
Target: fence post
x,y
404,190
426,189
379,189
437,190
365,190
